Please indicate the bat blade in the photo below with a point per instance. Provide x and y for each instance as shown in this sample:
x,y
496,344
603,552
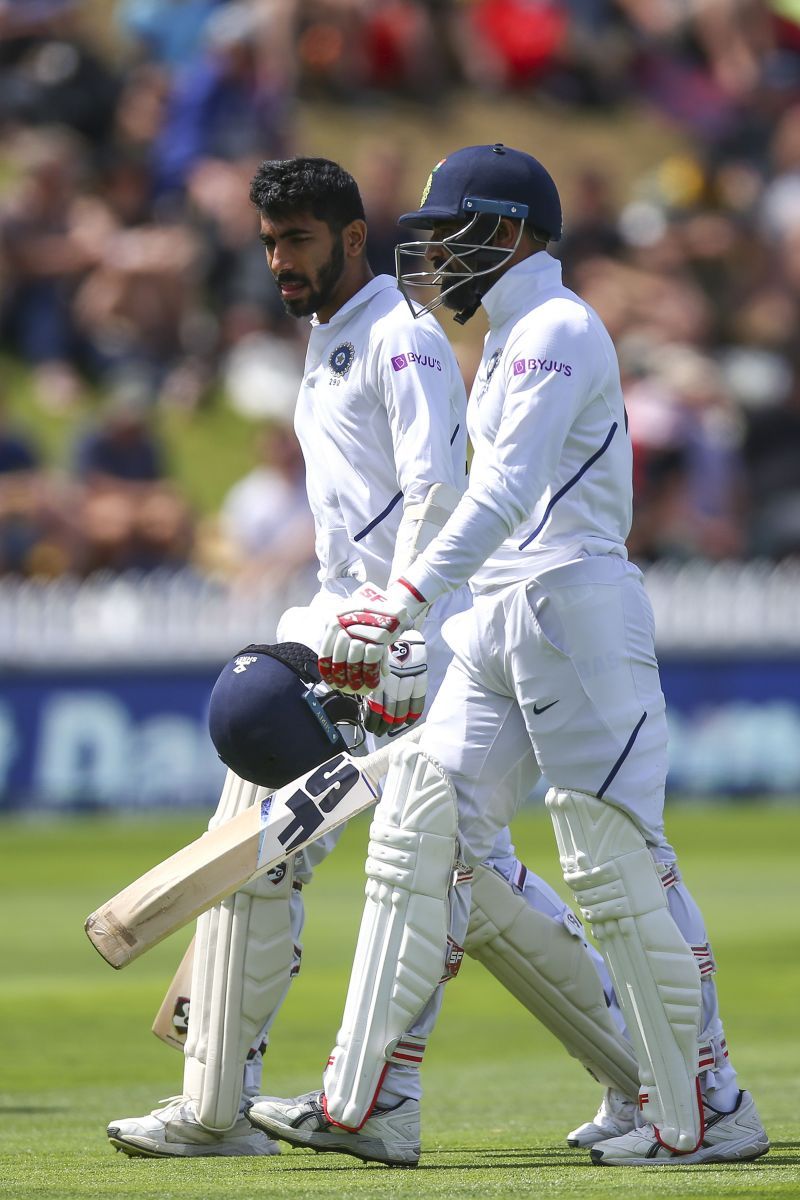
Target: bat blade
x,y
217,864
171,1020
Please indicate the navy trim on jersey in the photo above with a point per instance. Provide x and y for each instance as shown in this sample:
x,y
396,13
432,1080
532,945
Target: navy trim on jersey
x,y
623,756
394,500
570,483
377,520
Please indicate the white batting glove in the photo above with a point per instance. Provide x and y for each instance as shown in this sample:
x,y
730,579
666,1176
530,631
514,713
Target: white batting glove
x,y
354,651
400,698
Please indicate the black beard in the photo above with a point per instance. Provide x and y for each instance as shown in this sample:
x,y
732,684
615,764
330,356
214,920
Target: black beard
x,y
462,296
327,281
466,295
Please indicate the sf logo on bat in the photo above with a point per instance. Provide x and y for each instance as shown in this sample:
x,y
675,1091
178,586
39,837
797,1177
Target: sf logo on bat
x,y
318,795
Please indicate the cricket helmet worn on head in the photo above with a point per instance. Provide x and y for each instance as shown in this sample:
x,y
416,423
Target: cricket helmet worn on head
x,y
490,179
272,718
478,187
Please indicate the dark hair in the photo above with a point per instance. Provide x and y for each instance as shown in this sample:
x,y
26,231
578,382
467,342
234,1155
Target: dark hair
x,y
318,186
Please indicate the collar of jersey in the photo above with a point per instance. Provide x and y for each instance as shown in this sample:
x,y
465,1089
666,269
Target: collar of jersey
x,y
378,284
517,288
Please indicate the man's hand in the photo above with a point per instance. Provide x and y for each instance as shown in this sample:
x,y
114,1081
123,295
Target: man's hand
x,y
353,654
400,698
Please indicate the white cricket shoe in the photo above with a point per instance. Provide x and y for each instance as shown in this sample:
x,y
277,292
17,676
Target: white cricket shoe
x,y
615,1116
391,1135
174,1132
728,1137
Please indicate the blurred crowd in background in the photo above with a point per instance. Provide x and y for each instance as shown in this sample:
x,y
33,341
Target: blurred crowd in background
x,y
130,270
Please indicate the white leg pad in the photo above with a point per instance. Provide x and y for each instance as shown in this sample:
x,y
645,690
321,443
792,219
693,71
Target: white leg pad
x,y
605,861
244,955
550,972
400,954
236,795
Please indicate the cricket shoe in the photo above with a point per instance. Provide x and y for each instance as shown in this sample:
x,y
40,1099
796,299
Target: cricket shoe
x,y
727,1137
174,1132
390,1135
615,1116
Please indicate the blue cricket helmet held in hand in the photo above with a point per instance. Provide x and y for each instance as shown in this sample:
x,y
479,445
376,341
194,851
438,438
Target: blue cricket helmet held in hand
x,y
476,188
272,718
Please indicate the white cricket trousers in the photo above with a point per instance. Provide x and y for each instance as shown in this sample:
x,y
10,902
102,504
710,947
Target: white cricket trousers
x,y
562,669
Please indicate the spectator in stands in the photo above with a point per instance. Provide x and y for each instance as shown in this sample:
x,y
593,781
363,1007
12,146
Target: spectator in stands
x,y
132,515
772,457
36,537
122,448
170,34
265,517
232,102
51,234
50,73
688,474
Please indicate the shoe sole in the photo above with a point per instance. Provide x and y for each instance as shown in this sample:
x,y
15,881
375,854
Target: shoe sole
x,y
689,1159
304,1142
135,1151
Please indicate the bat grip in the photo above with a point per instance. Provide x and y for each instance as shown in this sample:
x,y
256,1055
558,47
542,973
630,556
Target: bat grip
x,y
375,765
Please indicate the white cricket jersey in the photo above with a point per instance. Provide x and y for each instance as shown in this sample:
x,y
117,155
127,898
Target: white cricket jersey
x,y
380,419
551,477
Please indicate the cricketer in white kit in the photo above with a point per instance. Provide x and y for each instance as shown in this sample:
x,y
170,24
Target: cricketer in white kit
x,y
381,422
555,662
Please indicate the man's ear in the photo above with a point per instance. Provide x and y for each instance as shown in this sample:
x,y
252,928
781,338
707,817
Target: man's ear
x,y
355,238
507,233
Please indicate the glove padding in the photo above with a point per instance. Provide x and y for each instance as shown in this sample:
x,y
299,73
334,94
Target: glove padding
x,y
354,651
400,698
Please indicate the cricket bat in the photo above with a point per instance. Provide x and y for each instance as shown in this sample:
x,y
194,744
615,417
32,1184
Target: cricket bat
x,y
172,1019
226,858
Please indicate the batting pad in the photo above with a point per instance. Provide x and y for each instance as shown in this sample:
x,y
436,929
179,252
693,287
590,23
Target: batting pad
x,y
402,942
242,971
606,862
549,971
236,796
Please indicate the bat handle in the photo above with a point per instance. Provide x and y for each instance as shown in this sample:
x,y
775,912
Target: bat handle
x,y
375,765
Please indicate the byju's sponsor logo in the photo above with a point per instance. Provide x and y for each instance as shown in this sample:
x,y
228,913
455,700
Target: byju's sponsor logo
x,y
522,365
401,361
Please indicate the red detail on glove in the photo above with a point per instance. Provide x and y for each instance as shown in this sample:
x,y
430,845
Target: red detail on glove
x,y
376,620
371,676
325,668
334,674
355,674
375,707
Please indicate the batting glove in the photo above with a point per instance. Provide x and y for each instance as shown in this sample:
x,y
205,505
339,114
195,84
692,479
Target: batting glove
x,y
354,651
400,698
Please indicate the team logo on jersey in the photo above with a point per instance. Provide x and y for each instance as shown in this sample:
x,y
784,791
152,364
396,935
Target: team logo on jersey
x,y
341,359
426,191
521,365
491,367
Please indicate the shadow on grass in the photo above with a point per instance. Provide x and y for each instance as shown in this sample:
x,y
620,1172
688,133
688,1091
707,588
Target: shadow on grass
x,y
516,1158
30,1109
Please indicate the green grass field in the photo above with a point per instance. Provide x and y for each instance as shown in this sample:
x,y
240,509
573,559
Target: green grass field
x,y
76,1051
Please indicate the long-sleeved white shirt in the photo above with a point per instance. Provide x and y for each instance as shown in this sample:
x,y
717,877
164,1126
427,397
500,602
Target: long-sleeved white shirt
x,y
551,477
380,419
